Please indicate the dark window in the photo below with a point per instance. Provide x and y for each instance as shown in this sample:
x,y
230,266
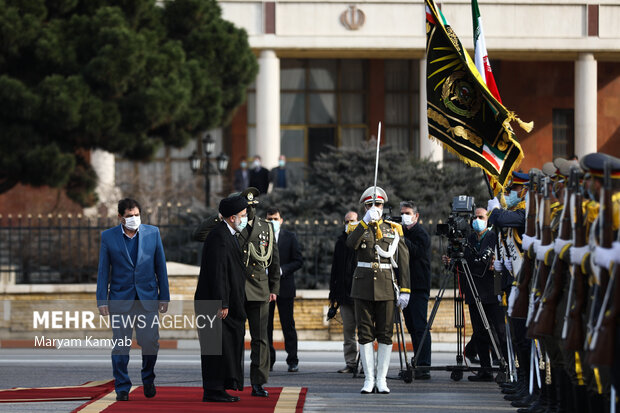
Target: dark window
x,y
563,133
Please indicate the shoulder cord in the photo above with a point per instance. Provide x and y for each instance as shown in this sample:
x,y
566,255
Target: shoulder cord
x,y
391,250
263,258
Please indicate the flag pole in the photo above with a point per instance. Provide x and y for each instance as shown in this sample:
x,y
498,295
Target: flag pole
x,y
374,192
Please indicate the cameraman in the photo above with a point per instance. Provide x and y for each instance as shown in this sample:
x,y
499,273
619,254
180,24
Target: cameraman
x,y
479,257
419,245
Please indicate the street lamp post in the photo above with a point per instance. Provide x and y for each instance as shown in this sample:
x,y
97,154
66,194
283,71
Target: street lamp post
x,y
208,145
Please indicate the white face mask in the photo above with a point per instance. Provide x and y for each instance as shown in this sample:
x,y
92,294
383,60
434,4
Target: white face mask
x,y
256,163
351,224
243,221
407,219
132,223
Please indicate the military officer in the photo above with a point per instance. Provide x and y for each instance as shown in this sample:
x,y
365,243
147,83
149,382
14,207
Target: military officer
x,y
262,263
380,251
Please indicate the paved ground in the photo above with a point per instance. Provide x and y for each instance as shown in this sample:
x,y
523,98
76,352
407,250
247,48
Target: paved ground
x,y
328,391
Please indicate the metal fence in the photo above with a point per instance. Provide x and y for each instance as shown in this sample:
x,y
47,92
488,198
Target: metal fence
x,y
65,248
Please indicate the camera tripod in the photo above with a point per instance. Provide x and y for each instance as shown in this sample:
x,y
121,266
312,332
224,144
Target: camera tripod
x,y
457,261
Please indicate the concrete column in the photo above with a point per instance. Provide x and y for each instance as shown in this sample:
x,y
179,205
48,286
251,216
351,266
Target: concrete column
x,y
428,148
586,91
268,109
109,194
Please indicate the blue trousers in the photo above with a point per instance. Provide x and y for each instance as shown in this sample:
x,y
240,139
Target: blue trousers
x,y
147,334
415,319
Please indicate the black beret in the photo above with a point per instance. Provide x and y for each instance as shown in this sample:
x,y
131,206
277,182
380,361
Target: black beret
x,y
232,205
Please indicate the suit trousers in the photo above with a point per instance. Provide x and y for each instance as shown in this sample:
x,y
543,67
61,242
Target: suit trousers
x,y
147,335
287,321
349,347
375,320
258,313
415,320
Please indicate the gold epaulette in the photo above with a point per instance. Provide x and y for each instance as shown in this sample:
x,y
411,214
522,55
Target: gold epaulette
x,y
396,227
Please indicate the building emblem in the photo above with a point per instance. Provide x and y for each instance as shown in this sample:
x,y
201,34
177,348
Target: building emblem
x,y
352,18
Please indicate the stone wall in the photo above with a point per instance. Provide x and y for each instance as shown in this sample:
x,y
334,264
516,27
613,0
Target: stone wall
x,y
19,301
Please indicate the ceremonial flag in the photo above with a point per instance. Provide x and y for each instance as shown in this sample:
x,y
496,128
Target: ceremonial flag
x,y
463,115
481,56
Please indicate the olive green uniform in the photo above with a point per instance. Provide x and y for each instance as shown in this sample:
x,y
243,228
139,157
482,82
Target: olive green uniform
x,y
374,279
262,263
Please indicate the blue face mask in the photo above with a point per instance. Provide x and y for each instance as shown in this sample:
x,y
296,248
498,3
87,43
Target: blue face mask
x,y
244,164
281,163
512,199
241,225
276,225
479,225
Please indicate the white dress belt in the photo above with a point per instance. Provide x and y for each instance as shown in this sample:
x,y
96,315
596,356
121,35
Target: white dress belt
x,y
374,265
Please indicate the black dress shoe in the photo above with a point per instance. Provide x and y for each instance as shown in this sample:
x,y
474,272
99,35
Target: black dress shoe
x,y
293,368
347,369
482,375
122,396
218,396
149,390
258,391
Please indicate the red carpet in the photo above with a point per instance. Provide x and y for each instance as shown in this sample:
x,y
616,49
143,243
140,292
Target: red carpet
x,y
189,399
86,391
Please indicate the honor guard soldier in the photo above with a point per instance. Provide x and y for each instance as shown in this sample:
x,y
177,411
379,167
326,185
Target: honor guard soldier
x,y
381,252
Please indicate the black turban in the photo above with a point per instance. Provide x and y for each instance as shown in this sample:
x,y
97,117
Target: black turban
x,y
232,205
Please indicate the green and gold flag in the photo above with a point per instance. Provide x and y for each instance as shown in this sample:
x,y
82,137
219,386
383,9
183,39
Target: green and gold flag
x,y
462,113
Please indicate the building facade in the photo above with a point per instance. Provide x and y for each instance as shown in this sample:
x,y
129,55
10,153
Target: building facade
x,y
330,71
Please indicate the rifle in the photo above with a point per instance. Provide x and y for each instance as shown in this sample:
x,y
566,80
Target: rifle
x,y
573,329
543,269
521,304
551,296
601,346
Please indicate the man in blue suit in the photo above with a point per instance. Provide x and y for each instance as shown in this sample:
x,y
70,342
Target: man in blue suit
x,y
132,284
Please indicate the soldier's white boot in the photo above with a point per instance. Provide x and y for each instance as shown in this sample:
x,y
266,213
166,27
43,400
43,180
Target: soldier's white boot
x,y
383,364
367,356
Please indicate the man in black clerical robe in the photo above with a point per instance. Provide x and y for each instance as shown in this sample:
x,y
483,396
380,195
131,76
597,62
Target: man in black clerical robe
x,y
222,278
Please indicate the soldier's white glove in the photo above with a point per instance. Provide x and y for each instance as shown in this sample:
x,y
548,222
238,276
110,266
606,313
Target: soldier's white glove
x,y
492,204
373,214
497,265
508,263
403,300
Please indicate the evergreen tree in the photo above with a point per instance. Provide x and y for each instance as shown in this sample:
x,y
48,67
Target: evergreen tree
x,y
123,76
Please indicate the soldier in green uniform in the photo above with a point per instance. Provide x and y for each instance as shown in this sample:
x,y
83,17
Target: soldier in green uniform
x,y
262,263
381,252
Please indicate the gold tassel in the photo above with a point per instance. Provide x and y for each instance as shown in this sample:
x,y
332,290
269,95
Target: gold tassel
x,y
379,232
526,126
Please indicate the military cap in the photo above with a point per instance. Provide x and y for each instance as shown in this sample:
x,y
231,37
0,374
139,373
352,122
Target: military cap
x,y
594,163
251,195
550,169
232,205
519,178
367,196
564,166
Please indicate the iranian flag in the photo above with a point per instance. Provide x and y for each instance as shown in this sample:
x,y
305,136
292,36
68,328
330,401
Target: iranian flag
x,y
494,156
481,57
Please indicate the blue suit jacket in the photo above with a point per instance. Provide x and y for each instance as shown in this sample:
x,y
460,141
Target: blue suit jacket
x,y
120,280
